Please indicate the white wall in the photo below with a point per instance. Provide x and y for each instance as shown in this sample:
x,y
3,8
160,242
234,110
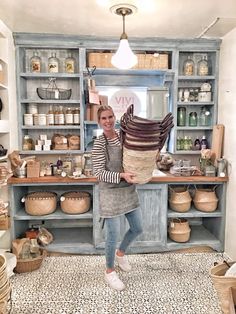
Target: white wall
x,y
227,116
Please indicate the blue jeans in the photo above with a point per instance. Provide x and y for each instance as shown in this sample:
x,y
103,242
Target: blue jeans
x,y
113,230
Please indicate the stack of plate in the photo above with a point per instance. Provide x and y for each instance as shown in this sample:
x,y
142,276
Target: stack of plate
x,y
4,285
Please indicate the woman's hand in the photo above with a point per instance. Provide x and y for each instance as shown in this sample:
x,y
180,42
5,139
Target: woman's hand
x,y
128,177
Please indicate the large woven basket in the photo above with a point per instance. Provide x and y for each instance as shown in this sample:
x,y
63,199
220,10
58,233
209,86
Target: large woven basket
x,y
75,202
140,163
40,203
179,230
225,287
180,199
28,265
205,200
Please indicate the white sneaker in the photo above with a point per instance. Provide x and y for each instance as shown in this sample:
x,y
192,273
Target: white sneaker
x,y
114,281
123,263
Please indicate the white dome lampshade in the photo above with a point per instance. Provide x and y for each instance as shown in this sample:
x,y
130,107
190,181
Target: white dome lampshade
x,y
124,58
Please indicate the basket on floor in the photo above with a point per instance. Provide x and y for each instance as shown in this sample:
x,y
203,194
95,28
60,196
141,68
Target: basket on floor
x,y
225,287
31,264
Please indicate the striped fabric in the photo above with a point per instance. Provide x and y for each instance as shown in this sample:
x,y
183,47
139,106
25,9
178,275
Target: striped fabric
x,y
99,160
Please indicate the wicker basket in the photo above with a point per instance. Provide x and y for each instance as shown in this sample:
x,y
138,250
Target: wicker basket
x,y
205,200
28,265
140,163
225,287
3,264
75,202
53,92
180,199
40,203
179,230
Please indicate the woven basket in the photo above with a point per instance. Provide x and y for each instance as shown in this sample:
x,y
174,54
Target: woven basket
x,y
205,200
75,202
179,230
180,199
28,265
40,203
3,264
140,163
225,287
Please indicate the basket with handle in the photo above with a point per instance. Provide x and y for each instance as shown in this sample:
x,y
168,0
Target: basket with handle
x,y
53,92
225,287
179,230
205,199
31,264
180,199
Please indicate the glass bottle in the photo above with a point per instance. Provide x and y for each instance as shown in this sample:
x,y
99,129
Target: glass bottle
x,y
205,117
190,143
53,63
69,116
61,116
70,64
76,116
56,115
35,63
186,143
181,116
197,144
50,116
202,66
59,163
88,166
192,119
67,165
178,144
204,143
188,68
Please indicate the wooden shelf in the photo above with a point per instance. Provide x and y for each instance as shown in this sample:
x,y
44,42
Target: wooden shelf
x,y
50,75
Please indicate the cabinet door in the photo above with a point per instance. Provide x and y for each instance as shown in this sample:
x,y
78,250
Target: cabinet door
x,y
154,210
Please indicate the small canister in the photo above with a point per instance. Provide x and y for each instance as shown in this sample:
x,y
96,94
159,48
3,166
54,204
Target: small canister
x,y
32,108
42,119
28,119
36,119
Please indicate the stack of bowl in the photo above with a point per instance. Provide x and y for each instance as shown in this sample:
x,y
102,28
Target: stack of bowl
x,y
4,285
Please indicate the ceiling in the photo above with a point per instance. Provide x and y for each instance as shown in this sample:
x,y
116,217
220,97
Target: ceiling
x,y
158,18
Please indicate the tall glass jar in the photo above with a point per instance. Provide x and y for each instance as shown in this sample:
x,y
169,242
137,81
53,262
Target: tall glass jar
x,y
70,64
35,63
202,66
192,119
188,68
181,116
53,63
205,117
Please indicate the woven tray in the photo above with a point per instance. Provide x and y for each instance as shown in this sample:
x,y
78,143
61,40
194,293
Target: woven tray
x,y
28,265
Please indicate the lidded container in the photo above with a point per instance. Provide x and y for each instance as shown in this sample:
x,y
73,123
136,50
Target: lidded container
x,y
75,202
181,116
205,117
188,68
35,63
192,119
40,203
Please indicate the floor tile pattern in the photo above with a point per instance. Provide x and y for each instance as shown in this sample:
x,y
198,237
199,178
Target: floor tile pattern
x,y
163,283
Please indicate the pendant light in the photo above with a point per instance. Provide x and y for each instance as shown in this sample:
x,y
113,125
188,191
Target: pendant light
x,y
124,58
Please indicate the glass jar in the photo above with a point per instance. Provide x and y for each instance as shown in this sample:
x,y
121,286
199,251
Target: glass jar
x,y
70,64
28,143
88,166
76,116
202,66
205,117
53,64
181,116
69,116
35,63
192,119
188,68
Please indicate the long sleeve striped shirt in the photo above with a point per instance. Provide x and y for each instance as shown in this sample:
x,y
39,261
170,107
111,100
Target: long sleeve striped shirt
x,y
99,160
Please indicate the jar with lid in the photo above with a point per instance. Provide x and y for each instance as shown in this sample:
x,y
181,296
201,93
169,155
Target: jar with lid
x,y
28,143
181,116
188,68
205,117
53,63
76,116
69,116
192,119
35,63
61,116
70,64
50,116
67,165
88,166
202,66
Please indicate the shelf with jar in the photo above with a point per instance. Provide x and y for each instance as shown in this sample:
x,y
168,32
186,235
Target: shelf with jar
x,y
191,141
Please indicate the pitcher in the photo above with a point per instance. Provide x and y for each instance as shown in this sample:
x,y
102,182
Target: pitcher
x,y
221,167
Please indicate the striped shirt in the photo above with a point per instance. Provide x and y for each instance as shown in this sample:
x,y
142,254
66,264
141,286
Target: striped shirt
x,y
99,159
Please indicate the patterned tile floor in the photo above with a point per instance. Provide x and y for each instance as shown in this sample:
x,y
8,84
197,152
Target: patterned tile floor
x,y
163,283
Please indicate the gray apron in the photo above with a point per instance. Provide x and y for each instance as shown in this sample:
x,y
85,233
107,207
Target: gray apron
x,y
116,199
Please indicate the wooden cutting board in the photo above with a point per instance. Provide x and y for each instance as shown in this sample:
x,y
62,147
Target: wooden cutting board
x,y
217,142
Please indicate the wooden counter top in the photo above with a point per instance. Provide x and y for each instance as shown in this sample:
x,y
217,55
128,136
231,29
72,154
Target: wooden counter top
x,y
165,179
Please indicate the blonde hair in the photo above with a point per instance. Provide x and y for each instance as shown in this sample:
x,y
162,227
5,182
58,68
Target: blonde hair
x,y
103,108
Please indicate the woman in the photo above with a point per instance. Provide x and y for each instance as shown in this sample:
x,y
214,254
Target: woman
x,y
117,196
